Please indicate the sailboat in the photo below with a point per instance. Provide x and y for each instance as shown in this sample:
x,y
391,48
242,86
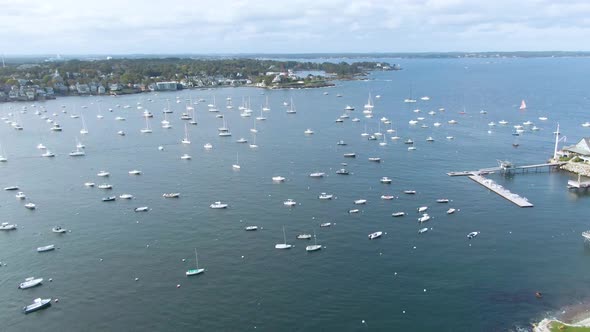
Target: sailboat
x,y
237,164
283,245
165,123
84,130
261,117
212,107
147,129
369,104
185,140
193,120
79,152
410,99
3,155
522,105
195,271
99,115
266,108
315,246
291,109
253,144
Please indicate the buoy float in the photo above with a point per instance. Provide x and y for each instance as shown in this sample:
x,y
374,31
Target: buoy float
x,y
50,279
136,279
178,286
56,300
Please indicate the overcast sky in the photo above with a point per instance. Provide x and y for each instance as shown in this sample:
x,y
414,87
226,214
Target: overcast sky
x,y
290,26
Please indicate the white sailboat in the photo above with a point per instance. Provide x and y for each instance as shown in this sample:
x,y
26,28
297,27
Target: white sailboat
x,y
315,246
79,152
283,245
84,130
237,164
99,115
196,270
147,129
253,144
266,108
193,120
3,155
291,109
369,104
185,140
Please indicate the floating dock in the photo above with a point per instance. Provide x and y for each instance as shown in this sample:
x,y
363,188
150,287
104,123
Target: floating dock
x,y
510,169
498,189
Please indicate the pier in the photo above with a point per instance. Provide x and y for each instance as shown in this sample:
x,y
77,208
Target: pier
x,y
579,184
498,189
506,168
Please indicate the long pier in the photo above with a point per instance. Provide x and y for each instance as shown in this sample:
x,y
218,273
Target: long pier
x,y
498,189
477,176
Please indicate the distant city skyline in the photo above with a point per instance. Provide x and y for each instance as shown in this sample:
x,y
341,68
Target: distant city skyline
x,y
297,26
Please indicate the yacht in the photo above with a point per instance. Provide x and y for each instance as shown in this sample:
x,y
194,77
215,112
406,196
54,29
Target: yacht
x,y
89,184
342,171
425,217
58,229
398,214
360,201
442,200
422,209
105,186
451,211
586,124
171,195
126,196
429,139
472,235
304,236
527,123
308,132
452,121
278,179
437,124
340,143
135,172
11,188
326,224
385,180
375,159
325,196
351,211
242,140
409,141
37,304
103,174
30,282
185,157
218,205
375,235
46,248
251,228
356,120
20,195
7,227
142,209
503,122
423,230
121,133
410,192
387,197
48,154
317,175
543,118
289,203
30,206
349,108
350,155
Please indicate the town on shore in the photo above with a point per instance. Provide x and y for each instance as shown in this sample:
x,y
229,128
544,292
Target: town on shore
x,y
56,77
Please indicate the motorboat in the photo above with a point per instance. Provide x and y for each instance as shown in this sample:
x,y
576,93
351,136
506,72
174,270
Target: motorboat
x,y
375,235
89,184
7,227
387,197
20,195
56,127
422,209
58,229
317,175
304,236
350,155
11,188
423,230
472,235
543,118
242,140
351,211
452,121
48,154
40,146
340,143
171,195
46,248
121,133
375,159
103,174
208,146
409,141
109,199
30,282
372,138
429,139
30,206
126,196
325,196
342,171
289,202
586,235
398,214
135,172
349,108
503,122
185,157
326,224
385,180
308,132
251,228
218,205
442,200
410,192
278,179
37,304
425,217
360,201
142,209
451,211
105,186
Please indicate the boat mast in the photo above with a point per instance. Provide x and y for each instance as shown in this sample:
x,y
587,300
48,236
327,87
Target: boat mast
x,y
196,258
556,142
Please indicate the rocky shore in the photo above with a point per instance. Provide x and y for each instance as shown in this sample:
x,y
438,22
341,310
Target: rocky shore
x,y
578,168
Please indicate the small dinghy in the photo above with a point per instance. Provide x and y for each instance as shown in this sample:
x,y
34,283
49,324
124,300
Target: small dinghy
x,y
375,235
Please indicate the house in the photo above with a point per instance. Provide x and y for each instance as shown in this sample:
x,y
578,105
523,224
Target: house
x,y
581,149
166,86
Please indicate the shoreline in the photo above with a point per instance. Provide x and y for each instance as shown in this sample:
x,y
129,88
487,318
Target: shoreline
x,y
577,315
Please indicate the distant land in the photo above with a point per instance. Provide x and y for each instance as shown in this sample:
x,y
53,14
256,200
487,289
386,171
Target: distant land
x,y
20,59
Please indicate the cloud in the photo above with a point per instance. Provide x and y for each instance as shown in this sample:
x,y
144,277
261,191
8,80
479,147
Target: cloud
x,y
265,26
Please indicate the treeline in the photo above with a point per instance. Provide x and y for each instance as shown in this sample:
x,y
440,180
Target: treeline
x,y
145,71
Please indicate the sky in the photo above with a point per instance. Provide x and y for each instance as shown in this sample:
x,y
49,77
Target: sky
x,y
113,27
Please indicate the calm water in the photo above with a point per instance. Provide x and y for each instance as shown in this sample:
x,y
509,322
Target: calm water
x,y
433,281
